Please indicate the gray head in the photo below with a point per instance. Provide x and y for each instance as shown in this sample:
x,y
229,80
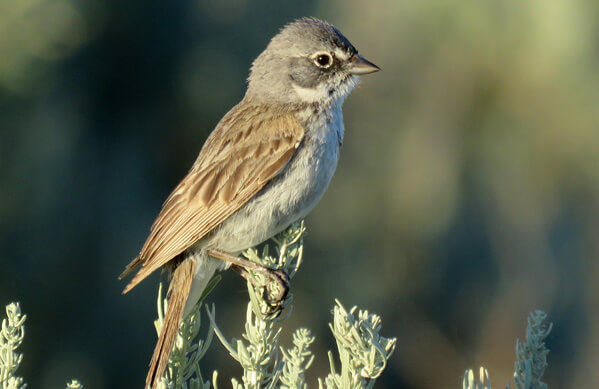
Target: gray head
x,y
308,61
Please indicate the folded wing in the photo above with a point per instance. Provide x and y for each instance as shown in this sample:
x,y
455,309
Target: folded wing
x,y
247,149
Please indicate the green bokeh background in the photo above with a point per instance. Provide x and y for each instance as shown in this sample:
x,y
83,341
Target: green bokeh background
x,y
466,195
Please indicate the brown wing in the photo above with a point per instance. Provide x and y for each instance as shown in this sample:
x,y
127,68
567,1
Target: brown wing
x,y
247,149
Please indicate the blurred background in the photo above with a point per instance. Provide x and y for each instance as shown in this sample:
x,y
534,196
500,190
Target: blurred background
x,y
466,196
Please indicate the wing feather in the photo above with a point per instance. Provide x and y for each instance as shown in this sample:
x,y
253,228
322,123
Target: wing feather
x,y
244,152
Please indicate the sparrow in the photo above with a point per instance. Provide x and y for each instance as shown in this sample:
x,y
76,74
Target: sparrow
x,y
265,165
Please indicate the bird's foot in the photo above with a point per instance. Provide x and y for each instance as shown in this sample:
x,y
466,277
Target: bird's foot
x,y
273,288
277,289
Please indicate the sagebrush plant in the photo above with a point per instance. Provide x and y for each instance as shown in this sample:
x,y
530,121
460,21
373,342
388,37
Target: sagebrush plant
x,y
362,351
531,359
258,352
13,332
11,337
531,355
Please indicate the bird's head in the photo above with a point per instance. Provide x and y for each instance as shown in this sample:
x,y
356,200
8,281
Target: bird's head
x,y
308,61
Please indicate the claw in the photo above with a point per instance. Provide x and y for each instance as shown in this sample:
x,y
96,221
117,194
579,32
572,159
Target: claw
x,y
277,290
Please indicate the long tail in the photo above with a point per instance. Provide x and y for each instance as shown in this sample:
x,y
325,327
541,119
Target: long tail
x,y
180,286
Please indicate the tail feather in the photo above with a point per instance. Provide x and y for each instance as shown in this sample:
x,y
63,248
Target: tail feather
x,y
180,286
139,277
130,267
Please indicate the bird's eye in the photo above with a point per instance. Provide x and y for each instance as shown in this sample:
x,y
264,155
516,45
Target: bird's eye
x,y
323,60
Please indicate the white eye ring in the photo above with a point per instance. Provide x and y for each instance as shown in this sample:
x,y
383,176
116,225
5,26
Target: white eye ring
x,y
322,60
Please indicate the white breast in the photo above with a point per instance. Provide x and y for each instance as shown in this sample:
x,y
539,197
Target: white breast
x,y
291,195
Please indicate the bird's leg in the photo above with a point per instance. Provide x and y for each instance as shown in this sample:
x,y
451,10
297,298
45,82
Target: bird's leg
x,y
276,296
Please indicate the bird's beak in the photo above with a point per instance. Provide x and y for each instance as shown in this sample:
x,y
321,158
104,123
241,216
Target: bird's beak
x,y
359,65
